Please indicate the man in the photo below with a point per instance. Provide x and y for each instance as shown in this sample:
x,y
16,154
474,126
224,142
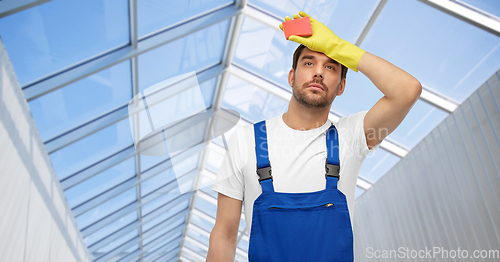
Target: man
x,y
297,150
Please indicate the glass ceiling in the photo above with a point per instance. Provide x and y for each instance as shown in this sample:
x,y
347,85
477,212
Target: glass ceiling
x,y
81,62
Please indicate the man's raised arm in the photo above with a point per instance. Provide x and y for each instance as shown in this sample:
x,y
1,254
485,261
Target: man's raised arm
x,y
401,90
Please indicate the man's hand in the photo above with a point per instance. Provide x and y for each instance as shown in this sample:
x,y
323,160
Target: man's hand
x,y
325,41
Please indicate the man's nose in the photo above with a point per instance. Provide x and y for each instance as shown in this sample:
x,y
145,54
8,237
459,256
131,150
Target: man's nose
x,y
318,73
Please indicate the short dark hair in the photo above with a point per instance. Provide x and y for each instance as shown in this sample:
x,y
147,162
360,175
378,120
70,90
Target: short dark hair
x,y
296,56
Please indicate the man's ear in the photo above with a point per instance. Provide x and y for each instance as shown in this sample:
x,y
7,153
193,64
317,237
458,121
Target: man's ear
x,y
341,87
291,75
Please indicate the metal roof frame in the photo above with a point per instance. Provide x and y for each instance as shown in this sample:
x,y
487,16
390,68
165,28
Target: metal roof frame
x,y
97,63
468,14
14,6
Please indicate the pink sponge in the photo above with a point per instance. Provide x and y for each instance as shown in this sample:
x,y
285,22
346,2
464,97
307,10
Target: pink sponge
x,y
299,27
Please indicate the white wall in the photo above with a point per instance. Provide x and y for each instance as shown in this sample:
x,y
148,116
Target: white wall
x,y
36,223
445,193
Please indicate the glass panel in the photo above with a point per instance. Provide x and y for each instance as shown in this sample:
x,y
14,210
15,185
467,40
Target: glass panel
x,y
491,7
76,103
419,122
106,208
150,161
377,164
91,149
132,248
109,229
195,248
170,213
218,140
206,207
214,160
253,103
191,136
160,201
170,256
163,248
190,53
182,167
55,35
199,237
190,256
201,223
209,191
100,182
157,181
205,182
264,50
151,14
358,192
208,90
175,226
240,258
454,58
122,255
115,244
188,185
243,226
184,258
243,245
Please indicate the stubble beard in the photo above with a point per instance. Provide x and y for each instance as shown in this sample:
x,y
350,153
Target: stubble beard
x,y
312,101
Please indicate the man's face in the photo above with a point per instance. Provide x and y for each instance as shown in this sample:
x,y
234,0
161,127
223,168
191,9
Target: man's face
x,y
316,80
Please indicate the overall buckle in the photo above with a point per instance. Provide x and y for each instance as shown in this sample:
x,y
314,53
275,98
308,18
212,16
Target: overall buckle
x,y
264,173
332,170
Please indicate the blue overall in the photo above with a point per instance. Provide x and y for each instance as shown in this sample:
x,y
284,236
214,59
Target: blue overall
x,y
313,226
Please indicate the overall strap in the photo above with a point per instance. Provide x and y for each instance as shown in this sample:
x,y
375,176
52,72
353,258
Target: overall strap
x,y
332,162
262,156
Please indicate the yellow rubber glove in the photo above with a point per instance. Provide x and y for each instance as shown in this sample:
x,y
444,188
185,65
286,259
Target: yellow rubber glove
x,y
325,41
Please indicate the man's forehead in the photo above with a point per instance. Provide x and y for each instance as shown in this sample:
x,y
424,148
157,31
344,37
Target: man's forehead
x,y
309,54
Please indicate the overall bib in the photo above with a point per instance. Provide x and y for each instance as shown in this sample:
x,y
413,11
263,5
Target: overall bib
x,y
313,226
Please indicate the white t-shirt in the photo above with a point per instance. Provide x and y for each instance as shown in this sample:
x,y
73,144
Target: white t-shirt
x,y
297,160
